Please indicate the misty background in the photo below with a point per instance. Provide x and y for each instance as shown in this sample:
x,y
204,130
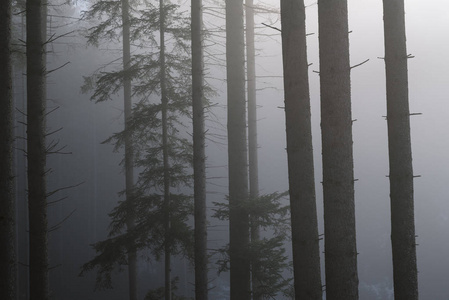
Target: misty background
x,y
86,125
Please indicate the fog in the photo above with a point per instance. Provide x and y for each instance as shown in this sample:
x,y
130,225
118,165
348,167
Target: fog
x,y
95,166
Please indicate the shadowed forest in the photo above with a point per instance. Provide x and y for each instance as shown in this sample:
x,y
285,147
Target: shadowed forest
x,y
223,150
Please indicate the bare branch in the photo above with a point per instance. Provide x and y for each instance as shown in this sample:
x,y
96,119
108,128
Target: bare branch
x,y
358,65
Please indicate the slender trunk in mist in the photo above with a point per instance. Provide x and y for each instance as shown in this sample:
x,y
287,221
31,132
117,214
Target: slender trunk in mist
x,y
129,170
164,101
237,152
305,242
36,151
338,174
21,177
252,135
199,156
8,261
405,272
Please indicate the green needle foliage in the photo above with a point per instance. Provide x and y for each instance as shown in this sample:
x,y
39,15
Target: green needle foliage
x,y
147,205
267,254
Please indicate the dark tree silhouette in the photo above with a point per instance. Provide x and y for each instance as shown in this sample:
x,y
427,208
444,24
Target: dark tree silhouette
x,y
405,272
237,152
8,261
129,157
336,130
253,170
199,156
36,151
306,257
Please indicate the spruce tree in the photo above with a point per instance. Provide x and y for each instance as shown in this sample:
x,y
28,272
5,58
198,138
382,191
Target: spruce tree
x,y
237,152
305,241
336,135
162,86
36,151
8,261
199,156
405,273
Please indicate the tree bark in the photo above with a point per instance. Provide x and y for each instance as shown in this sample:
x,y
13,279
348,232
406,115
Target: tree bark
x,y
164,101
405,272
129,157
8,260
252,136
338,174
199,156
237,152
305,242
36,151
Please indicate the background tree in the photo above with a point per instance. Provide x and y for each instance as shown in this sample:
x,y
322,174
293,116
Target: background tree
x,y
129,163
199,156
336,130
252,132
237,152
304,224
403,243
8,261
36,150
161,154
269,215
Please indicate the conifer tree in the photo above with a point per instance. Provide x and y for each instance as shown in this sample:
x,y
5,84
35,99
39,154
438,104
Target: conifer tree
x,y
199,156
336,135
269,215
36,151
405,273
8,261
161,154
305,241
129,170
237,152
252,133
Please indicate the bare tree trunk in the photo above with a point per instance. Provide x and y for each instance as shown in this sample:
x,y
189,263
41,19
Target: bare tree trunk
x,y
400,153
237,152
8,260
164,100
21,178
129,170
36,151
199,156
338,173
252,136
306,256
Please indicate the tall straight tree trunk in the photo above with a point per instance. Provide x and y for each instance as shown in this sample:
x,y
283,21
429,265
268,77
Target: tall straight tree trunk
x,y
237,152
8,261
199,156
164,101
252,135
400,153
129,170
21,178
306,256
36,152
338,173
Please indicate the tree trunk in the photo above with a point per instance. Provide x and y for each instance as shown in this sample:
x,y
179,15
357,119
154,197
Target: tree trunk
x,y
8,261
199,156
129,170
306,256
36,152
21,176
252,135
400,153
237,152
164,101
338,173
